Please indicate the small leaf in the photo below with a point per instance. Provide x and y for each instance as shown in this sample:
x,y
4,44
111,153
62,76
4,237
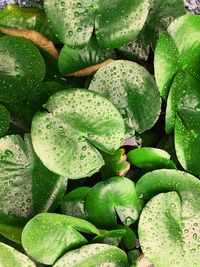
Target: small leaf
x,y
78,122
94,255
132,90
4,120
151,158
115,164
107,199
22,68
11,257
113,237
73,203
48,236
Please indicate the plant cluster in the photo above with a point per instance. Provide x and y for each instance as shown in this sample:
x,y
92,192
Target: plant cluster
x,y
99,134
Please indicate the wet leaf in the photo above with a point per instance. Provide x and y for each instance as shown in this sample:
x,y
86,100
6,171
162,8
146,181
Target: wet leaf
x,y
26,186
78,122
132,90
21,69
74,21
94,255
48,236
11,257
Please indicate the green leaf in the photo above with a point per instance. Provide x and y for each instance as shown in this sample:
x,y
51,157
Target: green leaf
x,y
74,21
11,257
166,63
172,54
172,215
94,255
13,16
132,90
73,203
48,236
22,68
41,94
111,198
161,14
115,164
113,237
187,134
4,120
72,60
78,122
151,158
26,186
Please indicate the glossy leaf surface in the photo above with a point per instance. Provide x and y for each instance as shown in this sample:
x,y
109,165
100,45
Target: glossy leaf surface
x,y
26,186
132,90
94,255
74,21
11,257
48,236
172,214
78,122
111,198
22,68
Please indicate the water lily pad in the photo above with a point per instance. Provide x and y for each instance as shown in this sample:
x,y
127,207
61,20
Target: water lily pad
x,y
48,236
22,68
132,90
78,122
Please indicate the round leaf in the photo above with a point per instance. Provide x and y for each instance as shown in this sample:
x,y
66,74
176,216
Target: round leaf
x,y
11,257
26,186
150,158
94,255
173,217
4,120
78,123
107,199
22,68
74,21
132,90
48,236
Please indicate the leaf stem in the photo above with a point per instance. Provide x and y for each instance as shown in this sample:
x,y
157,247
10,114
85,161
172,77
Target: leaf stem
x,y
90,70
35,37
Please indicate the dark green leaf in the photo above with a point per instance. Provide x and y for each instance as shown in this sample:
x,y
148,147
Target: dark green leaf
x,y
73,203
132,90
22,68
72,60
48,236
78,122
4,120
